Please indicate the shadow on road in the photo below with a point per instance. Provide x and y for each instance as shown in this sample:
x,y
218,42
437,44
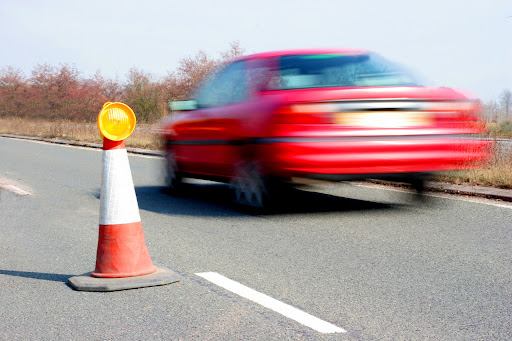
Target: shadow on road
x,y
37,275
215,200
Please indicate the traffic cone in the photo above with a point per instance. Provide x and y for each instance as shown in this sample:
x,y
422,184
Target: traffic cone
x,y
122,250
122,259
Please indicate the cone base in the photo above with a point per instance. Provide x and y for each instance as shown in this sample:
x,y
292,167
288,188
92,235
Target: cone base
x,y
124,274
86,282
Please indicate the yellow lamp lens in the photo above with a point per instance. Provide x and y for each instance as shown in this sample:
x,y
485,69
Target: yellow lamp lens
x,y
116,121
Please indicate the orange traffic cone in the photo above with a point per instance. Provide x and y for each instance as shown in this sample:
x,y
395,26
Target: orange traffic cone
x,y
122,260
122,250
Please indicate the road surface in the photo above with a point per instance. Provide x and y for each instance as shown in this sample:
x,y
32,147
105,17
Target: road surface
x,y
366,260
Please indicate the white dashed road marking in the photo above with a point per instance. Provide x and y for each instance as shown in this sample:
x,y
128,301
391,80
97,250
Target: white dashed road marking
x,y
270,303
13,187
15,190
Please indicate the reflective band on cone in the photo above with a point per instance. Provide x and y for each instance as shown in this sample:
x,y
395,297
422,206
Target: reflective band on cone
x,y
122,250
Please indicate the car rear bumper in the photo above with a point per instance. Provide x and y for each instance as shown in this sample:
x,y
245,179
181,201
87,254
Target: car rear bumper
x,y
363,156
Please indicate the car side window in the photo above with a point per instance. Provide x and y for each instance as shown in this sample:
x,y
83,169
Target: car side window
x,y
263,75
226,87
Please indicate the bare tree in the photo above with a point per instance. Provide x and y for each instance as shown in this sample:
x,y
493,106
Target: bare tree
x,y
506,103
234,51
491,111
13,88
143,94
193,70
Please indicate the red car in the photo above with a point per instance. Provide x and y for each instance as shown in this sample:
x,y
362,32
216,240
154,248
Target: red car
x,y
324,114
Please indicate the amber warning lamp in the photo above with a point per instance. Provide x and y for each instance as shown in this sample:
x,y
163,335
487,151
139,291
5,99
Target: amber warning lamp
x,y
116,121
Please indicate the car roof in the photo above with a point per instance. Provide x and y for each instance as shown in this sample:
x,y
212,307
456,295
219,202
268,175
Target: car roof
x,y
302,51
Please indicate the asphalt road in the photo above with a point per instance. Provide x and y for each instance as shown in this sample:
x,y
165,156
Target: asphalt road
x,y
365,258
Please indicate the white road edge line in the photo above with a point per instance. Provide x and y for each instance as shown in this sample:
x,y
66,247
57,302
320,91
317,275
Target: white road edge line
x,y
270,303
476,200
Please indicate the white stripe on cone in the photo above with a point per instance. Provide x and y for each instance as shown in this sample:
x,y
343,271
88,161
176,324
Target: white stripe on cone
x,y
118,202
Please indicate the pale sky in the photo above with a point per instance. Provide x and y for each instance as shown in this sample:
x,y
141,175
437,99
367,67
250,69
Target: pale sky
x,y
463,44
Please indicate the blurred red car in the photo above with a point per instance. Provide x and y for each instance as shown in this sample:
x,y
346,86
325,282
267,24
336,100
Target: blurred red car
x,y
325,114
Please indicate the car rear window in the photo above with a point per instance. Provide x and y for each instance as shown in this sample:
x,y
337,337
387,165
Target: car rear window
x,y
337,70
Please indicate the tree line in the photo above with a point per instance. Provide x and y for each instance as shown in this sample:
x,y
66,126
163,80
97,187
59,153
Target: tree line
x,y
498,113
63,93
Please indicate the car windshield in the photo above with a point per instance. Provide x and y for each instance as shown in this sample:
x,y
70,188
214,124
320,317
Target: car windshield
x,y
338,70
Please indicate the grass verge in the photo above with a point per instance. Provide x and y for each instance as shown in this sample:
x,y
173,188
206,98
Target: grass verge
x,y
143,136
497,172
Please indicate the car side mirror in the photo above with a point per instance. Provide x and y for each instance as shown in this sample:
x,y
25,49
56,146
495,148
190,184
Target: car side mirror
x,y
183,105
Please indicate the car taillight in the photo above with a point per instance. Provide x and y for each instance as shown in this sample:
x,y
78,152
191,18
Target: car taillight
x,y
306,113
381,115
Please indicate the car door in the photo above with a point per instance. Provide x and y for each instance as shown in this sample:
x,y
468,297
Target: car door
x,y
209,137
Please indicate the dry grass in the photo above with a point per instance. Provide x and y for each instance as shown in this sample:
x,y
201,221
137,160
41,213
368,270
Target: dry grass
x,y
142,137
496,173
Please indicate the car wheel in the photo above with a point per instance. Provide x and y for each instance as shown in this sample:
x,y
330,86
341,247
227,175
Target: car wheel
x,y
418,185
173,179
250,187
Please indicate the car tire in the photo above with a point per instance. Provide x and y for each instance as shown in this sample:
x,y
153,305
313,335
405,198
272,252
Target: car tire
x,y
173,178
418,185
250,186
